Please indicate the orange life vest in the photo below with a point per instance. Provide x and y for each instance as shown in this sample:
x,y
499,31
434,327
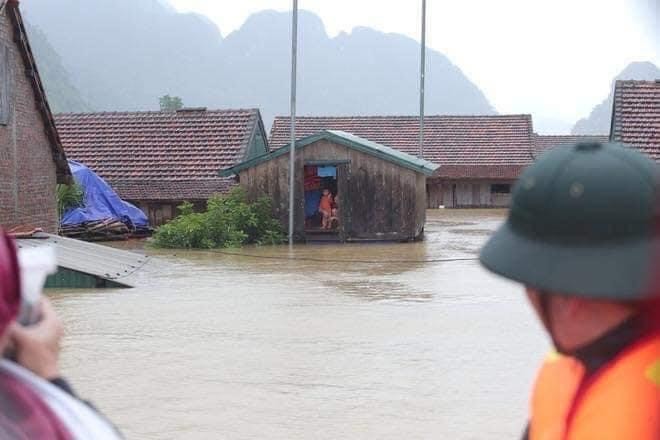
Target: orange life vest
x,y
620,401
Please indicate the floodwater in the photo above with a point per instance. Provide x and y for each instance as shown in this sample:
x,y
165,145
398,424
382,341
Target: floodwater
x,y
379,341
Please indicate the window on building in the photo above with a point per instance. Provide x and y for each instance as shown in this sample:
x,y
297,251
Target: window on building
x,y
500,188
5,85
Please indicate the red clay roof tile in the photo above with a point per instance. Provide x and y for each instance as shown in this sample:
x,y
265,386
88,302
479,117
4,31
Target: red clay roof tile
x,y
172,190
463,146
546,142
159,155
636,115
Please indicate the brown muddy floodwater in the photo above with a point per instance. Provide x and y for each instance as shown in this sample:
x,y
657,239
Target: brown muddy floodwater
x,y
212,346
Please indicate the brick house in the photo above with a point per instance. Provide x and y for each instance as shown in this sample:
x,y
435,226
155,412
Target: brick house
x,y
636,116
32,160
157,160
480,157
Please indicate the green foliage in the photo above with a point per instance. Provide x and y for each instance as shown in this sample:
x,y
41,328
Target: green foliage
x,y
69,196
186,208
170,103
229,221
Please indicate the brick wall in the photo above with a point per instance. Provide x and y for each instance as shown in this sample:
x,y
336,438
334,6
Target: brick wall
x,y
27,169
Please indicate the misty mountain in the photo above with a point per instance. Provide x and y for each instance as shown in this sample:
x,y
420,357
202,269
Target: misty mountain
x,y
598,122
124,54
62,94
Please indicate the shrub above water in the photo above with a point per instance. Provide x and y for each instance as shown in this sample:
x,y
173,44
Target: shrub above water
x,y
229,221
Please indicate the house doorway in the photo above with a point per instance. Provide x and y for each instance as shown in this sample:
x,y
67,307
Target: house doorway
x,y
321,199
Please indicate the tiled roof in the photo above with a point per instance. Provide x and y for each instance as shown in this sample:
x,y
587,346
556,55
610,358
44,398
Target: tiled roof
x,y
463,146
349,140
30,68
636,115
172,190
160,155
546,142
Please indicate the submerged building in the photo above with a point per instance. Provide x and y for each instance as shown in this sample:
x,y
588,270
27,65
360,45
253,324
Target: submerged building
x,y
157,160
379,193
480,157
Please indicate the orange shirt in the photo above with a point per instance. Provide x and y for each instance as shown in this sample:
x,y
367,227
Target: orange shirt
x,y
326,203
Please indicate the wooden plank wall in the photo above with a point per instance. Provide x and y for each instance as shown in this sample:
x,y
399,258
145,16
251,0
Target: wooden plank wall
x,y
468,194
435,195
384,200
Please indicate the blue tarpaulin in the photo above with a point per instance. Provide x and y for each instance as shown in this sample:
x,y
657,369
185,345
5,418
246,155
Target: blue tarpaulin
x,y
101,202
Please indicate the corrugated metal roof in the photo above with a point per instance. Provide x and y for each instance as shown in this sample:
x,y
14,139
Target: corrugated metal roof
x,y
351,141
93,259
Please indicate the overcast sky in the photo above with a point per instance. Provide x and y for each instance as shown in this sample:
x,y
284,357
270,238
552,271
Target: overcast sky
x,y
554,59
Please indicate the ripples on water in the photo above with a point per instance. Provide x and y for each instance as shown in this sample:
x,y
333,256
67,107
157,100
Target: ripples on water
x,y
210,345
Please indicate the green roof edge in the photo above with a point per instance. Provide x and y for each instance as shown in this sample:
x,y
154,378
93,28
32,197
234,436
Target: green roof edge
x,y
349,140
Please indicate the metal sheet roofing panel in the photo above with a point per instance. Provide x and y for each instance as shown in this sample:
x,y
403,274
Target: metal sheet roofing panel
x,y
90,258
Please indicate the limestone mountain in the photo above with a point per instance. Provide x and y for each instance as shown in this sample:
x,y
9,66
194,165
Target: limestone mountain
x,y
124,54
598,122
62,94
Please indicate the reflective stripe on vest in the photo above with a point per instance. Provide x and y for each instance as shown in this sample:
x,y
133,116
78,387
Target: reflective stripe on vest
x,y
620,401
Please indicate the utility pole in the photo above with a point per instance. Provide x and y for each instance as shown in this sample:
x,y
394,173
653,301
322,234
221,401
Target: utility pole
x,y
292,153
422,75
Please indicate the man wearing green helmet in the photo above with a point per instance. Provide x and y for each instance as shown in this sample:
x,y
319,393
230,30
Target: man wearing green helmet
x,y
583,236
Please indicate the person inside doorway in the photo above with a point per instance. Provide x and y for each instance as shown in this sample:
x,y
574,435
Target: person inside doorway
x,y
334,214
325,208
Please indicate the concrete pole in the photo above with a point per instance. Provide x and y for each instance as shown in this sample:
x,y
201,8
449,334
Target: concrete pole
x,y
292,155
422,75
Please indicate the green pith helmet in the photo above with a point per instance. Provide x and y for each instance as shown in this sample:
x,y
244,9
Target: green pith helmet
x,y
583,221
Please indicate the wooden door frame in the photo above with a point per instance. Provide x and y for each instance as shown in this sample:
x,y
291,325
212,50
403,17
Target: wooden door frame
x,y
337,163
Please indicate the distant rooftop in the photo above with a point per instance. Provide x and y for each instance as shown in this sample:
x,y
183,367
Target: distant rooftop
x,y
161,155
464,146
636,116
544,142
348,140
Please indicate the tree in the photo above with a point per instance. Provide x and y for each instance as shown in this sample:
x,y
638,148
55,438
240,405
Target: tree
x,y
170,103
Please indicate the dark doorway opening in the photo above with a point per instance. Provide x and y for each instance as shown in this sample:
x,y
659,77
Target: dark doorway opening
x,y
321,198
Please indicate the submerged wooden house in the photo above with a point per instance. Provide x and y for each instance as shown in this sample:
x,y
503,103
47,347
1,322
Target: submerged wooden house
x,y
379,192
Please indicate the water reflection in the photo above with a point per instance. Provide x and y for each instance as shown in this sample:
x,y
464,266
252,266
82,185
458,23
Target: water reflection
x,y
210,345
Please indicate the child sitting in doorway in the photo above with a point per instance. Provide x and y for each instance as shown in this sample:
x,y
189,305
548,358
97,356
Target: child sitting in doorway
x,y
334,216
325,208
